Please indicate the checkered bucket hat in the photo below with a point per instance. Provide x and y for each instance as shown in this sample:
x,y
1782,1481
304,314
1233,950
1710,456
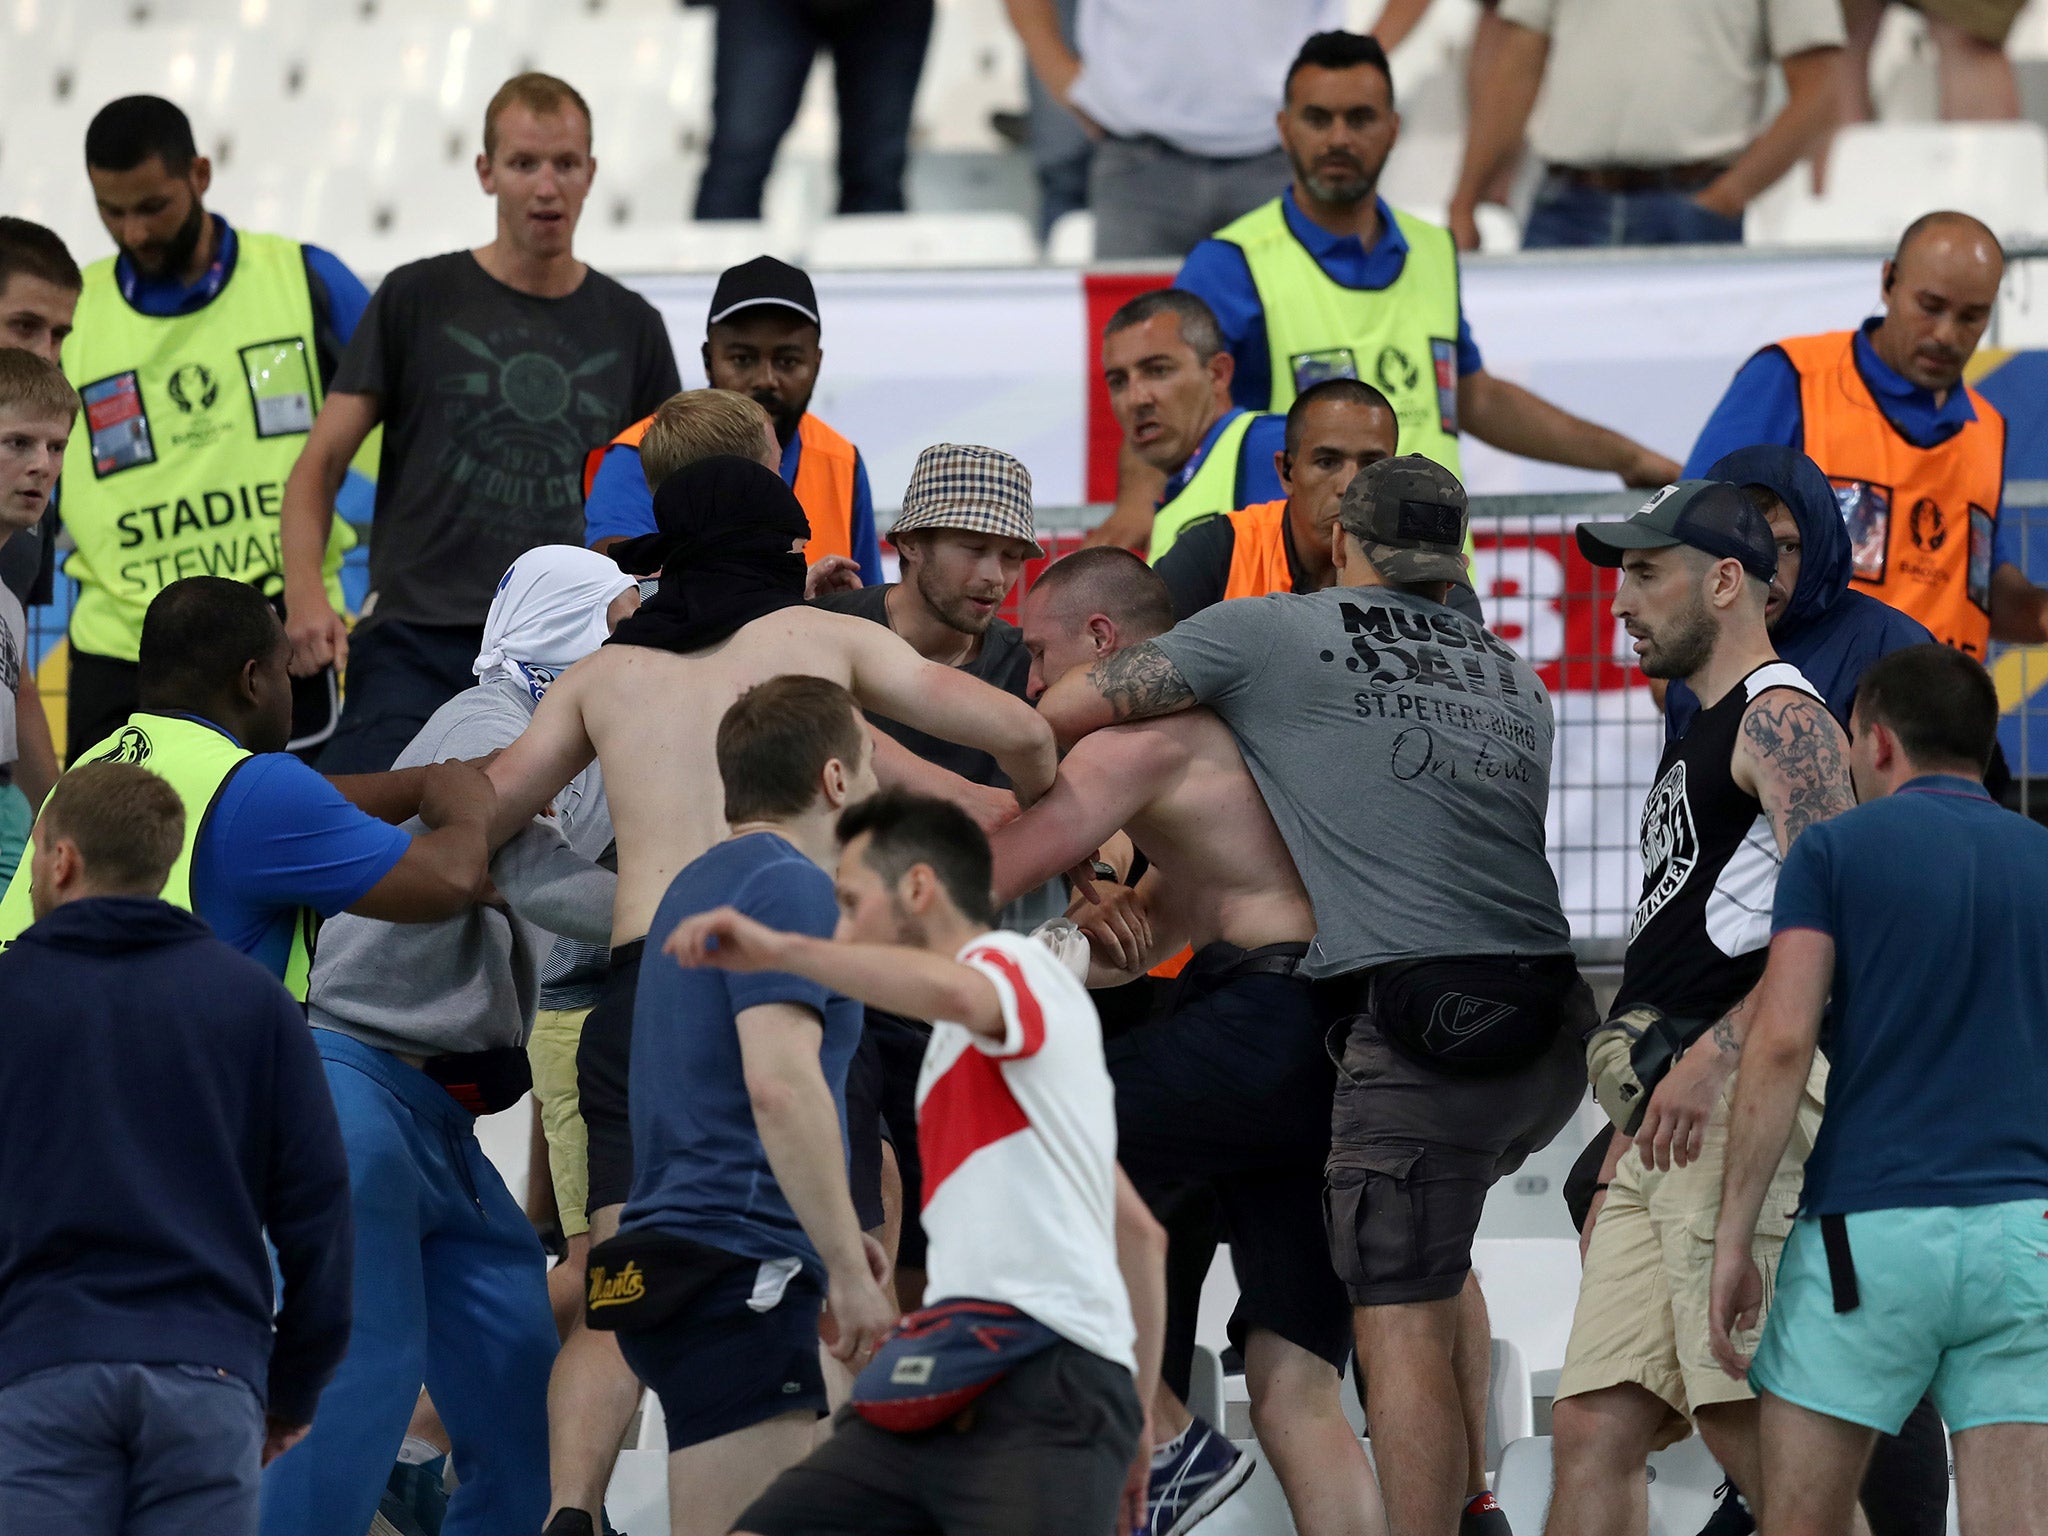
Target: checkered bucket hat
x,y
981,490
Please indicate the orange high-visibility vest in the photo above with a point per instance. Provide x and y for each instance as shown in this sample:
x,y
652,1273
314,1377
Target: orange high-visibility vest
x,y
1921,520
824,482
1258,560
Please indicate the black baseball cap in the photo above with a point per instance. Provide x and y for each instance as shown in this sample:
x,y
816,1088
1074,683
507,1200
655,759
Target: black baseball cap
x,y
764,280
1708,515
1408,514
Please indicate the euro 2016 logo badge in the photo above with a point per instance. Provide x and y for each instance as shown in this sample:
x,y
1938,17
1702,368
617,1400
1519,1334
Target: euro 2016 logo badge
x,y
193,388
131,746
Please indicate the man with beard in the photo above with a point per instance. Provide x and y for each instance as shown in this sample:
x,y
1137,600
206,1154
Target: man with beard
x,y
1328,281
202,352
761,341
1762,760
963,536
1916,456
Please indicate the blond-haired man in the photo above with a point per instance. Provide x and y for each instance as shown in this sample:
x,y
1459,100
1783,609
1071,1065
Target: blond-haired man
x,y
493,370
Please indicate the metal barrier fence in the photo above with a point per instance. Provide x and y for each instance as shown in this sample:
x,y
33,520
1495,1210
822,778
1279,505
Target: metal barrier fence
x,y
1546,600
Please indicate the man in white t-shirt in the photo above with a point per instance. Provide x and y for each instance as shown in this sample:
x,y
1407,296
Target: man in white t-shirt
x,y
37,408
1023,1203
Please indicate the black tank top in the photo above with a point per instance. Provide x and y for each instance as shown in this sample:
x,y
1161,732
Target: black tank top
x,y
1702,930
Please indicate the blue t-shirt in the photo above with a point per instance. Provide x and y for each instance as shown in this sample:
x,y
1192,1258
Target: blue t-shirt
x,y
279,838
1257,477
1762,406
1938,1061
699,1169
620,506
1217,273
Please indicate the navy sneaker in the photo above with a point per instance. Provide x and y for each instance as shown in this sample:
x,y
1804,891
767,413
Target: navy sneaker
x,y
1483,1516
1207,1470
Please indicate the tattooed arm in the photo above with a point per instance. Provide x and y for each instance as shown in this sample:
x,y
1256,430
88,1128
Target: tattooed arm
x,y
1793,757
1137,683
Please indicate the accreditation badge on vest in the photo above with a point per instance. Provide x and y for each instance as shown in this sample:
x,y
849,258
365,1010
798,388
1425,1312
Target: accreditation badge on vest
x,y
118,423
1867,514
1313,368
1983,536
1443,355
280,386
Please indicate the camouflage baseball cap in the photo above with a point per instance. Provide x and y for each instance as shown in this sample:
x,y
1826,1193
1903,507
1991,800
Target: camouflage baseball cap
x,y
1409,515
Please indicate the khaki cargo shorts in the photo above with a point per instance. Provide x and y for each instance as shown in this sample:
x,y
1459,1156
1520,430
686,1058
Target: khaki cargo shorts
x,y
1642,1310
552,1051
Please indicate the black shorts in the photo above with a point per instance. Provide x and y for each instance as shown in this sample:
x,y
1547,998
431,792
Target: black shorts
x,y
1414,1151
1041,1453
1233,1091
866,1130
604,1059
898,1045
719,1366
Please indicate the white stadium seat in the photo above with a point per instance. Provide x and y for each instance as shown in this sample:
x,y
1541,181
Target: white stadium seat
x,y
1531,1285
1071,240
922,240
1682,1483
1883,175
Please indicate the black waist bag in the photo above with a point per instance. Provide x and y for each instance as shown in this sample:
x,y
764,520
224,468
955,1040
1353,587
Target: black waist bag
x,y
1473,1016
639,1280
483,1082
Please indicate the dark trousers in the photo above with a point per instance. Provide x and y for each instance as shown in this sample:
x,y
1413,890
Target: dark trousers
x,y
112,1449
765,48
1567,214
398,675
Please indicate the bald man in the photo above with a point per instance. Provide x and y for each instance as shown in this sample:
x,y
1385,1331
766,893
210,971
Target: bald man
x,y
1916,456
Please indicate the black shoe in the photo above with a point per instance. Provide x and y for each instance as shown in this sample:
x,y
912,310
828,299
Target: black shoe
x,y
1731,1517
570,1522
1483,1516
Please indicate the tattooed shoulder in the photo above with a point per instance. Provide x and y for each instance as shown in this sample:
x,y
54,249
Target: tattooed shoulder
x,y
1801,760
1140,681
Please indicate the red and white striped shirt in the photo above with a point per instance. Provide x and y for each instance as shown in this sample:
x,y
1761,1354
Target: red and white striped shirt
x,y
1018,1137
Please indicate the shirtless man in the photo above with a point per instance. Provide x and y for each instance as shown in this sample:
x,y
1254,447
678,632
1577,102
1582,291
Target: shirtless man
x,y
1234,1090
729,614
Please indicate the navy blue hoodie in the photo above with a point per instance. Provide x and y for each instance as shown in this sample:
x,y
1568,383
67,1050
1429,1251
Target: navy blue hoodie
x,y
1828,632
164,1106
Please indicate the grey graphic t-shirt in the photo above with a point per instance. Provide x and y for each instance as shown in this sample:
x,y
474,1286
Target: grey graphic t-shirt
x,y
490,400
1405,754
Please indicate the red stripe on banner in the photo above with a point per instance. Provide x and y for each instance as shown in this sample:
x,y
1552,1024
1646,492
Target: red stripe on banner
x,y
1107,293
1554,606
1029,1015
969,1108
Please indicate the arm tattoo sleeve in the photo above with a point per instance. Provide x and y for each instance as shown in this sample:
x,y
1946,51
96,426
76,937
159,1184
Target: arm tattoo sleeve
x,y
1729,1029
1802,767
1139,682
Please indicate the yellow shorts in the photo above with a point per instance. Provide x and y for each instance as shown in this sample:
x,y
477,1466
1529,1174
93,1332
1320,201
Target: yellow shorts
x,y
552,1050
1642,1310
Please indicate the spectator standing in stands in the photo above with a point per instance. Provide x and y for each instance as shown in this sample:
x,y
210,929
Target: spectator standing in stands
x,y
763,60
1061,147
494,372
1334,429
1915,455
1977,79
1328,280
1393,748
421,1029
761,340
1179,95
271,848
1651,124
143,1376
1918,1256
963,535
39,285
740,1214
37,409
202,352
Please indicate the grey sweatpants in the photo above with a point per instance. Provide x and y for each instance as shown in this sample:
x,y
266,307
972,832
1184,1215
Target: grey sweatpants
x,y
114,1449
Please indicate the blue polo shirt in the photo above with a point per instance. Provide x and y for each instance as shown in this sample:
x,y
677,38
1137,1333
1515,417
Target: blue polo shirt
x,y
699,1169
1217,273
620,506
1257,478
1939,1053
279,838
1762,406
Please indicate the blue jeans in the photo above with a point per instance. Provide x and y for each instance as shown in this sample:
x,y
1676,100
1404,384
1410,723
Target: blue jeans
x,y
106,1448
450,1290
1569,215
398,675
765,48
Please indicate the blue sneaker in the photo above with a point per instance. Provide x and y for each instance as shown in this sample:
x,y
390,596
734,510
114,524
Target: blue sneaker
x,y
1207,1470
